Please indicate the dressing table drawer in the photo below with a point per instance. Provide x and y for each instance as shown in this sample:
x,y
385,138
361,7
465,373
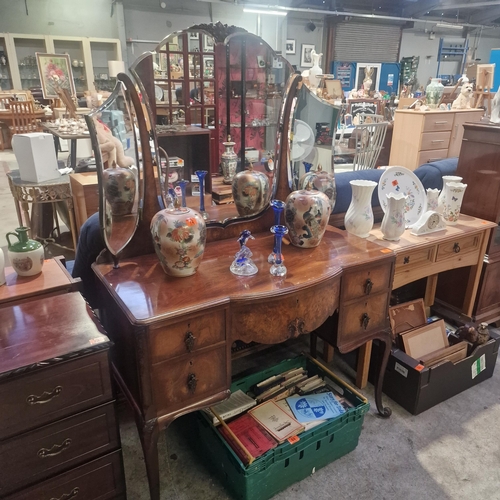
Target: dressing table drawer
x,y
366,282
435,140
190,377
187,336
409,260
36,455
56,392
433,155
460,246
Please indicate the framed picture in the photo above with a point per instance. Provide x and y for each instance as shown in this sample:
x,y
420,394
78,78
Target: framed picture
x,y
194,36
363,105
426,339
306,60
208,43
334,89
368,71
55,73
290,47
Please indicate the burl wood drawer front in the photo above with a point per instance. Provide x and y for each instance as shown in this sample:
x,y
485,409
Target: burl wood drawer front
x,y
366,282
362,316
100,479
36,455
54,392
409,260
176,382
460,246
187,336
435,140
433,155
438,122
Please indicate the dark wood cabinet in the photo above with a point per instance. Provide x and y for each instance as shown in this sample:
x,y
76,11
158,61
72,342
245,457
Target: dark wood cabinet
x,y
57,421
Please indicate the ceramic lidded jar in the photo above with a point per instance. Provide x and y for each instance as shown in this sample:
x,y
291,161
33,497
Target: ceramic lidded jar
x,y
433,93
393,224
26,256
359,216
229,161
322,181
251,191
119,189
179,237
306,216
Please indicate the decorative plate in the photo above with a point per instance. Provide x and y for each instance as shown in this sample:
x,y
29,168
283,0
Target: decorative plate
x,y
402,180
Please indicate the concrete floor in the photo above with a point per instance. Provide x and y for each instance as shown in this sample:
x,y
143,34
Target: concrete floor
x,y
450,452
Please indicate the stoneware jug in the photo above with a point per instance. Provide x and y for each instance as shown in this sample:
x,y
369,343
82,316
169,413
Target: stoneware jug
x,y
179,237
2,268
26,256
441,199
359,216
393,223
251,191
320,180
306,216
453,201
229,161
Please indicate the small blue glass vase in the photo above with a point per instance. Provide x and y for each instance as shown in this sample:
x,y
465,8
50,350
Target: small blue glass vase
x,y
242,264
278,207
183,183
201,177
278,269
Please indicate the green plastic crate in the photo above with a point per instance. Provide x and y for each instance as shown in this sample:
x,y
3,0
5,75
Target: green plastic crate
x,y
286,464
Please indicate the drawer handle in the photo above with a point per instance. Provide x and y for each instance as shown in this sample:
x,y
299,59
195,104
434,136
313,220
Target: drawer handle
x,y
189,341
67,496
192,382
368,286
365,319
456,248
406,260
45,397
442,122
296,327
55,450
437,140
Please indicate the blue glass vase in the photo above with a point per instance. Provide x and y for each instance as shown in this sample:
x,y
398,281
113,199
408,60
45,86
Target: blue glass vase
x,y
278,268
278,207
201,177
242,264
183,183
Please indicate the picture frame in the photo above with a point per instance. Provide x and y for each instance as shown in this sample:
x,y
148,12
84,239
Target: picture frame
x,y
334,88
305,55
194,35
55,65
360,75
425,339
363,105
208,43
290,46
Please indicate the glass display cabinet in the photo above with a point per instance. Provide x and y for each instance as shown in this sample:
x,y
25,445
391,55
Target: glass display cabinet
x,y
101,52
5,74
26,48
74,48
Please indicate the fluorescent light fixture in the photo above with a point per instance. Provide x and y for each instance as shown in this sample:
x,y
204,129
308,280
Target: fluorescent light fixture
x,y
264,11
452,26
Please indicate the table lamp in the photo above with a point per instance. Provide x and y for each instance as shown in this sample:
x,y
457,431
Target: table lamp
x,y
115,67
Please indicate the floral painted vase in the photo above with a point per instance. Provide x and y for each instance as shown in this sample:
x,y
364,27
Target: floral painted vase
x,y
119,189
442,196
359,216
393,224
179,237
320,180
229,161
453,201
26,256
306,216
433,93
432,199
251,191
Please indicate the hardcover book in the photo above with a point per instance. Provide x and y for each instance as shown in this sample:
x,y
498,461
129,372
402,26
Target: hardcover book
x,y
236,404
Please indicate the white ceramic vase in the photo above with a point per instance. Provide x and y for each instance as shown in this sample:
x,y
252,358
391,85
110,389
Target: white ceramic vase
x,y
2,268
453,201
359,216
316,70
441,199
432,198
393,223
433,93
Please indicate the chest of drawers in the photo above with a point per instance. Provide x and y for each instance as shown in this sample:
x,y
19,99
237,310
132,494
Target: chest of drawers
x,y
58,431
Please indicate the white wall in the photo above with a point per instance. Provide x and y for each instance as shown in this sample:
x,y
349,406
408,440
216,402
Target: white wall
x,y
296,30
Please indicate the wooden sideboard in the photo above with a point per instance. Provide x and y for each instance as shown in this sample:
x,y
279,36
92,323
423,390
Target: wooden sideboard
x,y
58,432
424,136
173,335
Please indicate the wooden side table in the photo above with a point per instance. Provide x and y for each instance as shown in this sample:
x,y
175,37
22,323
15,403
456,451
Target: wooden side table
x,y
85,190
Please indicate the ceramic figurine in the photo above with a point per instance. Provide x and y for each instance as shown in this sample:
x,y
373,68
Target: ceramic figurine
x,y
464,99
242,264
393,224
179,237
359,216
453,201
367,81
320,180
229,161
251,191
483,335
26,256
306,216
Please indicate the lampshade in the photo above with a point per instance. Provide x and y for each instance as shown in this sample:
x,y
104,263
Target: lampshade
x,y
115,67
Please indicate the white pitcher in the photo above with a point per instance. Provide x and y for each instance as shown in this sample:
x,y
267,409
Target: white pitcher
x,y
454,194
359,216
393,223
446,178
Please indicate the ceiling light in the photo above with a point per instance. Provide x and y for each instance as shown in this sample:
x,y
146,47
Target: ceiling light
x,y
264,11
452,26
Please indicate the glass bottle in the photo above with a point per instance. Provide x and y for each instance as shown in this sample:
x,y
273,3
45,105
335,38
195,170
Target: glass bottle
x,y
278,268
201,177
278,207
183,183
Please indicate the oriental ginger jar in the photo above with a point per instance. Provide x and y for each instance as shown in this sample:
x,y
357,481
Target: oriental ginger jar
x,y
179,237
251,191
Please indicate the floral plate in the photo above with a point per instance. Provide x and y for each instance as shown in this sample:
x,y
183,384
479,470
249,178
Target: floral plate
x,y
402,180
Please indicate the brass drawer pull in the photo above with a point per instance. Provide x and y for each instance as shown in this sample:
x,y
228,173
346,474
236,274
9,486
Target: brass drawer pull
x,y
189,341
368,286
67,496
55,450
192,382
406,260
365,319
45,397
456,248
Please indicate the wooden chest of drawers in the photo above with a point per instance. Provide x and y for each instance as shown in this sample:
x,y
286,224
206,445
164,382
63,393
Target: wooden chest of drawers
x,y
57,420
85,191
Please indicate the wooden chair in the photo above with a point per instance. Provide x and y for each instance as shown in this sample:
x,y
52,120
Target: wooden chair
x,y
5,101
23,117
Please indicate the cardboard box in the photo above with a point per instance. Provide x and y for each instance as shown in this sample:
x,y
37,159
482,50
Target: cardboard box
x,y
36,156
